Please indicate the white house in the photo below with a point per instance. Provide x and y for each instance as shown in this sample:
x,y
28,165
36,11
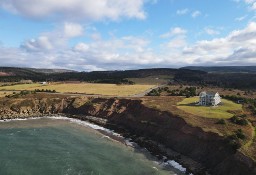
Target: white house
x,y
209,98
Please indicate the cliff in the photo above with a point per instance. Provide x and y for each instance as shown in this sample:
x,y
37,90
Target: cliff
x,y
161,132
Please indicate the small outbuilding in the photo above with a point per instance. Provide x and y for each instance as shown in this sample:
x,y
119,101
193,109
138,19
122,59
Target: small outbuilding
x,y
209,98
43,83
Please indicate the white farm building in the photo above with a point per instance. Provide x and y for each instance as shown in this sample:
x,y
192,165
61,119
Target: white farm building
x,y
209,98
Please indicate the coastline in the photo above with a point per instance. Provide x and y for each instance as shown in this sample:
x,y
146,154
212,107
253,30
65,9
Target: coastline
x,y
165,135
165,163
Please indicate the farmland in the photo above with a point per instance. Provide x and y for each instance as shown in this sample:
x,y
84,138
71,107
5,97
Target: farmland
x,y
83,88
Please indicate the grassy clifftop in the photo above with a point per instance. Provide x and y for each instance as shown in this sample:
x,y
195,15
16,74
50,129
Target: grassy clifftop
x,y
224,110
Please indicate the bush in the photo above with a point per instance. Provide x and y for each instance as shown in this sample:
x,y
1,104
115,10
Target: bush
x,y
239,133
233,140
242,122
45,90
239,121
221,121
154,93
235,144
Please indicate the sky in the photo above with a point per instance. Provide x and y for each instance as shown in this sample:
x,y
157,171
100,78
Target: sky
x,y
89,35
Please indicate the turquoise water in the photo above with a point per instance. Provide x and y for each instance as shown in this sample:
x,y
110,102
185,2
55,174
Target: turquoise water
x,y
52,147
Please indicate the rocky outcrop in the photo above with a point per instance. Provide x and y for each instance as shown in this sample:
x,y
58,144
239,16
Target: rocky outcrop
x,y
162,133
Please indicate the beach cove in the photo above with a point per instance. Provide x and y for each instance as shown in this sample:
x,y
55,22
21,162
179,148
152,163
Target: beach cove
x,y
60,145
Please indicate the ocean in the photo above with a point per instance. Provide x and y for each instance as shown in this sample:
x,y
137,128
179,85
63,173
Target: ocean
x,y
60,147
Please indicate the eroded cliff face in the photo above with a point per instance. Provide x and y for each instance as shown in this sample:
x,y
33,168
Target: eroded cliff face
x,y
30,107
158,131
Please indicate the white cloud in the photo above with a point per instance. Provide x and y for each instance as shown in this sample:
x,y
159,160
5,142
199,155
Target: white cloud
x,y
81,47
130,52
251,3
195,14
72,30
241,18
182,11
56,39
178,42
211,31
77,9
174,32
41,43
254,6
225,50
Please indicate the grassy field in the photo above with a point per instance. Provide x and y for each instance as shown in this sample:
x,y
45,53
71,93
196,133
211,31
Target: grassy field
x,y
222,111
3,94
152,80
21,87
87,88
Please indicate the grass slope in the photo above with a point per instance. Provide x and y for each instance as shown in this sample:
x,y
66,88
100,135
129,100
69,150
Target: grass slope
x,y
222,111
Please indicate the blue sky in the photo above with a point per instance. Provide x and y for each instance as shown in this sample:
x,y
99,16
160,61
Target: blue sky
x,y
119,34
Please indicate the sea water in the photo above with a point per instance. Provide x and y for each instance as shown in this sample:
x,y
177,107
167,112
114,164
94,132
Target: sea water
x,y
61,147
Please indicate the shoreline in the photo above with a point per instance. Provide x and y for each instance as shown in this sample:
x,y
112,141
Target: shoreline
x,y
167,164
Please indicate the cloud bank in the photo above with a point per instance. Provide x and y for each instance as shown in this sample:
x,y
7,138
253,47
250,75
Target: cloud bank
x,y
76,9
53,49
128,52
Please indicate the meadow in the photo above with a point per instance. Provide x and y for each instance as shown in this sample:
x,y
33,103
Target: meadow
x,y
3,94
152,80
223,110
84,88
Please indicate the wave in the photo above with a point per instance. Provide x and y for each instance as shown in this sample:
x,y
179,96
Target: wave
x,y
176,165
20,119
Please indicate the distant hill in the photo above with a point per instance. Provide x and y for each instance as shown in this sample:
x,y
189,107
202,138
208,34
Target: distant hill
x,y
224,69
118,76
16,71
227,77
17,74
49,71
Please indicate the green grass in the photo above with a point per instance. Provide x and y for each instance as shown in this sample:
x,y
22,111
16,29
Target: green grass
x,y
222,111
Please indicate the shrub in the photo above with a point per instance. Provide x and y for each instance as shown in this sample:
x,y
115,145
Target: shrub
x,y
234,119
235,144
221,121
154,93
238,120
242,122
89,103
239,133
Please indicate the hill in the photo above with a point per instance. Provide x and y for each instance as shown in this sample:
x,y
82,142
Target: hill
x,y
224,69
16,71
239,80
11,74
50,71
